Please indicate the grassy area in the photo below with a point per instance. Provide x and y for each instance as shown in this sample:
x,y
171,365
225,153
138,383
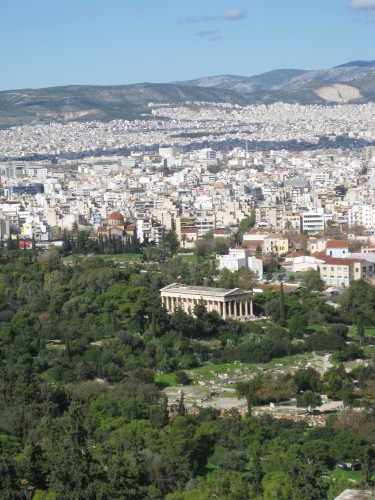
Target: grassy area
x,y
369,332
205,372
356,475
166,380
123,257
312,328
289,361
54,347
191,259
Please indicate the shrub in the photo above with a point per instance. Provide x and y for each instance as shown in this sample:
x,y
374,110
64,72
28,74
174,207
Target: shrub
x,y
339,329
182,378
321,341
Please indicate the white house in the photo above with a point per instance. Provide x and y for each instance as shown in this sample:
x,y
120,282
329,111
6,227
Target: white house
x,y
337,248
240,257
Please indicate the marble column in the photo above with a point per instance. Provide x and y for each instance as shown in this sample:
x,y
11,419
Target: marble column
x,y
251,307
247,307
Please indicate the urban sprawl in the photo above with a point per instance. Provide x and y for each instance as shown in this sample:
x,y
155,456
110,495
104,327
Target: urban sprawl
x,y
306,174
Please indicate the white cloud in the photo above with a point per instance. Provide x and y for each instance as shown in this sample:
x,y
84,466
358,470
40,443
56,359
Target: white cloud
x,y
366,6
362,4
229,15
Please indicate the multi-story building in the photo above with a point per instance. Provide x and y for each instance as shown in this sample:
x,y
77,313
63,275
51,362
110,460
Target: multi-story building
x,y
184,222
291,222
313,221
341,272
205,223
276,243
240,257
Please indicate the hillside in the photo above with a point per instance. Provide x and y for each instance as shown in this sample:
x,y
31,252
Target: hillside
x,y
285,79
98,102
309,93
105,103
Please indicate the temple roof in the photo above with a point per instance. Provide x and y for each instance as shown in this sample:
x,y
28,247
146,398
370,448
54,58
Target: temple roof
x,y
203,290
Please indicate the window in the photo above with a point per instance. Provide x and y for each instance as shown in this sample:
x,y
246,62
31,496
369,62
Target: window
x,y
357,270
370,268
364,269
332,268
345,270
339,269
324,269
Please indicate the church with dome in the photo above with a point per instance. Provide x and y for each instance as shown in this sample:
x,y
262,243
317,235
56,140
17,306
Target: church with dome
x,y
118,226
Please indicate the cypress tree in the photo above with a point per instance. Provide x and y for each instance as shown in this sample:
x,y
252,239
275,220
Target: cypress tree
x,y
153,324
101,244
181,412
257,474
33,243
9,243
282,304
360,329
67,348
161,416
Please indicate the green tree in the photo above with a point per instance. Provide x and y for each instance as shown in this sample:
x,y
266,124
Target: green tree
x,y
277,485
246,224
310,483
8,478
309,400
312,281
160,417
181,411
307,379
70,461
282,304
297,325
249,390
257,474
360,329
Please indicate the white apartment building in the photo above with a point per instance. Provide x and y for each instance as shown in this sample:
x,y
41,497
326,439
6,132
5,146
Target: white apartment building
x,y
40,172
313,221
205,223
361,215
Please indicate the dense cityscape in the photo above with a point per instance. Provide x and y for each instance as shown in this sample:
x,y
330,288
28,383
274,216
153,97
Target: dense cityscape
x,y
187,250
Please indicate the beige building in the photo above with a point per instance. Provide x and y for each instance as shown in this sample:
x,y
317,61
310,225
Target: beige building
x,y
235,303
335,271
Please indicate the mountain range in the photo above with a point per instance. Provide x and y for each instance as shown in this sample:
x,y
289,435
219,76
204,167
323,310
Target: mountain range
x,y
284,79
350,82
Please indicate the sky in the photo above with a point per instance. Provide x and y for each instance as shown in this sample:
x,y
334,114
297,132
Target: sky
x,y
48,43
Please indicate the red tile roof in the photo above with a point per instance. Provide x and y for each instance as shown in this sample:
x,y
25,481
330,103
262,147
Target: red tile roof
x,y
337,244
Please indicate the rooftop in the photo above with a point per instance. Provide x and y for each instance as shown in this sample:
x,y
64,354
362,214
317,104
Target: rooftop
x,y
202,291
337,244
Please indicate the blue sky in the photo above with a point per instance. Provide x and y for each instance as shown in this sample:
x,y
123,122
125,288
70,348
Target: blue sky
x,y
110,42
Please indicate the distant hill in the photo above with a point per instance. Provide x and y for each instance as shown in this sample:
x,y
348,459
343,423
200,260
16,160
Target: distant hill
x,y
81,102
285,79
358,64
359,91
351,82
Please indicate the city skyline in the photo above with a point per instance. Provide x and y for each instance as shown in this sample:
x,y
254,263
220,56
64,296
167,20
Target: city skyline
x,y
98,43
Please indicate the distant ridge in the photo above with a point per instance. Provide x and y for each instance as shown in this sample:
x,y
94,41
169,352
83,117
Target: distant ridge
x,y
352,82
358,64
285,79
